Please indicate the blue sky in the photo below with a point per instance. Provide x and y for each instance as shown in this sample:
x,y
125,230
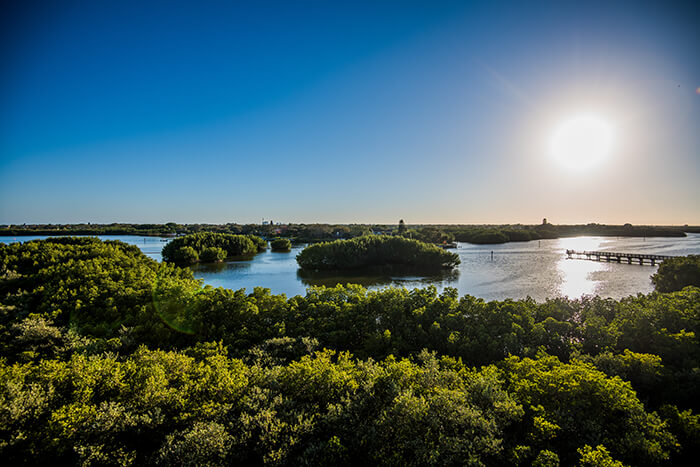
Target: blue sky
x,y
434,112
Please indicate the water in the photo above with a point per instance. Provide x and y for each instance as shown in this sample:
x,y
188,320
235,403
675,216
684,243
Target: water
x,y
539,269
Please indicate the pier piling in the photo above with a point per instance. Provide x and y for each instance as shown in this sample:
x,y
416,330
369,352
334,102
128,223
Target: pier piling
x,y
613,256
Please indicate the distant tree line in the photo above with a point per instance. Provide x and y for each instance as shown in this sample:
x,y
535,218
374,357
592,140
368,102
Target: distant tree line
x,y
91,229
519,233
312,233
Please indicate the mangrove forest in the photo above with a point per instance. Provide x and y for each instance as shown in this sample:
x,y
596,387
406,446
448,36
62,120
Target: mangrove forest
x,y
210,247
111,358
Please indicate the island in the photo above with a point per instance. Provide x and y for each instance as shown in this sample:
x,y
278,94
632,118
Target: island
x,y
209,247
376,251
281,244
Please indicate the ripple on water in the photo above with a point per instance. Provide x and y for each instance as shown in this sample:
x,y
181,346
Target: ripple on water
x,y
538,269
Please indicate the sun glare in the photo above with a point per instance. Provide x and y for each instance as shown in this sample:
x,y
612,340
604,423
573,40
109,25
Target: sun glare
x,y
581,142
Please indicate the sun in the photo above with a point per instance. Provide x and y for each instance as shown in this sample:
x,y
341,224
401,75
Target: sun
x,y
581,142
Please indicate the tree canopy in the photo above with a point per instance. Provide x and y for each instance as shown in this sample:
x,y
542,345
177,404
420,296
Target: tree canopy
x,y
375,250
281,244
108,357
211,247
676,273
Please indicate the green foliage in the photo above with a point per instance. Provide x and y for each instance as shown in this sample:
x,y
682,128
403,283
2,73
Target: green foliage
x,y
431,235
686,426
212,254
102,410
520,235
311,233
546,458
676,273
568,403
108,357
281,244
91,287
204,443
375,250
260,244
171,409
598,457
184,255
644,371
231,245
483,236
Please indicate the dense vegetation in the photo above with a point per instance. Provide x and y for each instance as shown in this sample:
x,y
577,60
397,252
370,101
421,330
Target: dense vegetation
x,y
311,233
297,233
375,250
522,233
281,244
211,247
91,229
677,273
108,357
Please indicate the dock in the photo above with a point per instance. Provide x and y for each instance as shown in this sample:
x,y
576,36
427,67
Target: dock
x,y
617,257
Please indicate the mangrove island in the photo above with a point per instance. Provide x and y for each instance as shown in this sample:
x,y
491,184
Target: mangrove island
x,y
375,251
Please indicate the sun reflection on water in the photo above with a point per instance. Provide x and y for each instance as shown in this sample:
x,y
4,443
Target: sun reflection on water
x,y
576,276
580,243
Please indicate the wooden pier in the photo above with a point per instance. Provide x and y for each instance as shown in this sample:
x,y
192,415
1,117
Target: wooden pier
x,y
617,257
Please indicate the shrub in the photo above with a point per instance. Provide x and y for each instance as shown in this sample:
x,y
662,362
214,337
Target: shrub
x,y
488,237
232,245
212,254
676,273
281,244
557,397
186,255
375,250
259,243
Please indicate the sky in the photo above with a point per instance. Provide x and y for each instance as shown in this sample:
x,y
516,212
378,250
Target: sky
x,y
348,112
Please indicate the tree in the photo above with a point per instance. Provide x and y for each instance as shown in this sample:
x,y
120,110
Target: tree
x,y
212,254
676,273
568,406
281,244
402,227
376,251
186,255
238,376
233,245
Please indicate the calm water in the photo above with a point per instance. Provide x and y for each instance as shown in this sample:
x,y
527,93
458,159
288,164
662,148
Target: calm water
x,y
538,269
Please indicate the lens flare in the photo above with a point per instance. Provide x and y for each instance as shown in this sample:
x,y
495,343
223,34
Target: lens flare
x,y
174,302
